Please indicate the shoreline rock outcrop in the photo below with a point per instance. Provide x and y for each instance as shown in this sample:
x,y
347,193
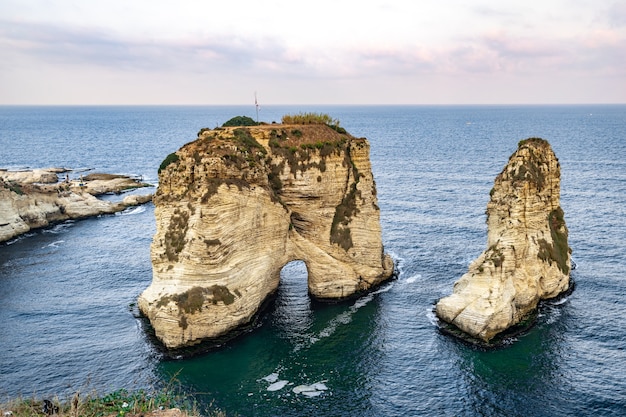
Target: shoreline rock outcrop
x,y
238,204
527,257
36,199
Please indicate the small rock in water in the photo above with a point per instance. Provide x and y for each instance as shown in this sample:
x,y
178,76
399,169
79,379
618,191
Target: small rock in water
x,y
277,385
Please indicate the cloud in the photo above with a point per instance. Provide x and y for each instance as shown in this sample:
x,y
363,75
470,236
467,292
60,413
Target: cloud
x,y
212,50
616,15
97,48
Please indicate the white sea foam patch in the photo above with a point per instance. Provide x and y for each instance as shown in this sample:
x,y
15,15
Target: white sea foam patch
x,y
54,244
398,261
20,237
413,278
313,390
345,317
271,378
432,317
560,301
278,385
60,228
552,314
131,211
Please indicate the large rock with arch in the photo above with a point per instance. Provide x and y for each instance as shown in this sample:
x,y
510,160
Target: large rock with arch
x,y
237,204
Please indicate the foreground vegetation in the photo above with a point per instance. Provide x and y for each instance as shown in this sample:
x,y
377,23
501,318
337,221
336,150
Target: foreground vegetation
x,y
122,403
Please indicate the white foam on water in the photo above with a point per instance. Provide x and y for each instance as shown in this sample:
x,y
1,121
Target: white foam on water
x,y
131,211
320,386
560,301
313,390
54,244
60,228
345,317
397,262
312,393
552,315
303,388
18,238
278,385
432,317
271,378
413,278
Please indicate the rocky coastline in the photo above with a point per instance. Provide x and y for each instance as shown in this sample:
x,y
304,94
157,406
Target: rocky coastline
x,y
38,198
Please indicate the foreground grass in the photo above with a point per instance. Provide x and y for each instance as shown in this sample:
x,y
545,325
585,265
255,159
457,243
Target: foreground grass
x,y
121,403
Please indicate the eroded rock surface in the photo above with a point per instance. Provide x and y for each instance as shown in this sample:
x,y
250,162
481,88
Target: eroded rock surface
x,y
527,257
236,205
35,199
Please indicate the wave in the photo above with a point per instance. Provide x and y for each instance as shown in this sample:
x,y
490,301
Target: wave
x,y
398,262
413,278
131,211
60,228
20,237
54,244
432,317
558,302
345,317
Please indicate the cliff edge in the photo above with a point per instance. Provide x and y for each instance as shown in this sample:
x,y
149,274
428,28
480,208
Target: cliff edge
x,y
239,203
527,257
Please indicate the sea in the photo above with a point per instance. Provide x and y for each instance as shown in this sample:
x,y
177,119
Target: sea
x,y
68,315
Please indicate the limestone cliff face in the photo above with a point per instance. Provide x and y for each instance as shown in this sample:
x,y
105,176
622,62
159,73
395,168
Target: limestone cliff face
x,y
527,257
236,205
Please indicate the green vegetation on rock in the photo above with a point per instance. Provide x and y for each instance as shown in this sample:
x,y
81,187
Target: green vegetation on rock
x,y
537,141
312,118
117,403
175,235
169,159
240,121
559,250
192,300
340,233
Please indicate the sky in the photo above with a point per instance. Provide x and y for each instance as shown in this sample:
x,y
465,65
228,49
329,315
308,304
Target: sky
x,y
315,52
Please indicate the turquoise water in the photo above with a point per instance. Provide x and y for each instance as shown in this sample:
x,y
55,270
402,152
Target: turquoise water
x,y
67,322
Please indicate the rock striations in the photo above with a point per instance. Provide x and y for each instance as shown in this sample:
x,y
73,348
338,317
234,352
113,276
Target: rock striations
x,y
527,257
237,204
35,199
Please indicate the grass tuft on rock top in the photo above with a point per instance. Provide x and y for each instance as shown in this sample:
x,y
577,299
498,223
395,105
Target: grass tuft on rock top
x,y
240,121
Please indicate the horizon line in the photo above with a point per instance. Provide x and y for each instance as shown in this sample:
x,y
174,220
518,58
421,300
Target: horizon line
x,y
305,104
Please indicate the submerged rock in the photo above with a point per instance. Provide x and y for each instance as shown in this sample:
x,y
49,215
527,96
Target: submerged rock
x,y
527,257
236,205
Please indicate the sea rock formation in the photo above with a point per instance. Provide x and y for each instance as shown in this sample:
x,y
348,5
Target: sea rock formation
x,y
237,204
35,199
527,257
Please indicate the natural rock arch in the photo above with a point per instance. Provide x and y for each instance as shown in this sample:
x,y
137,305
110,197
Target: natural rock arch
x,y
238,204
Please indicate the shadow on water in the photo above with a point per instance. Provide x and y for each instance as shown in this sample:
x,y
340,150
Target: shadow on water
x,y
298,341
